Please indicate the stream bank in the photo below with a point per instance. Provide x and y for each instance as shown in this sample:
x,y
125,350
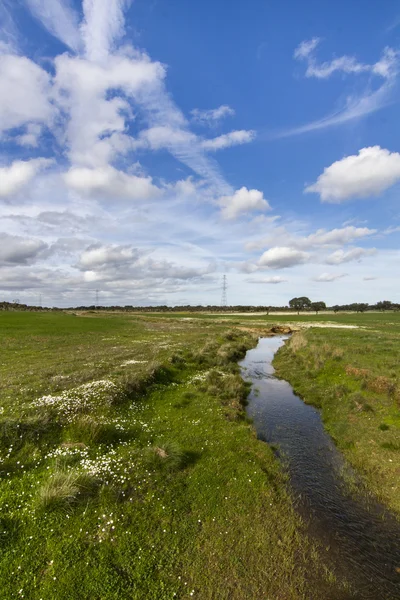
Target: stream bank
x,y
360,538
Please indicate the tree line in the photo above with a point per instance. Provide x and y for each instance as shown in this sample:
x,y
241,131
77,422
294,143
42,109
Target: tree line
x,y
301,304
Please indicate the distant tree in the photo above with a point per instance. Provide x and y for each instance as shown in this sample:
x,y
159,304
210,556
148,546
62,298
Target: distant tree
x,y
299,304
384,305
358,306
317,306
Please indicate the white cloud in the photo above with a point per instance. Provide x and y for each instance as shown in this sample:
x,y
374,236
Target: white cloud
x,y
328,277
9,35
109,182
355,105
212,116
339,236
322,238
242,201
99,256
369,173
229,139
17,250
305,48
103,26
25,93
345,64
282,257
344,256
15,177
96,124
59,18
386,67
123,264
270,280
392,229
30,139
166,137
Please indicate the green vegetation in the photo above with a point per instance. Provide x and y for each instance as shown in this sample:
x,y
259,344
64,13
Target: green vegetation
x,y
352,375
129,470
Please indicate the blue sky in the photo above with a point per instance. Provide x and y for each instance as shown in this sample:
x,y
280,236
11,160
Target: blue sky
x,y
149,147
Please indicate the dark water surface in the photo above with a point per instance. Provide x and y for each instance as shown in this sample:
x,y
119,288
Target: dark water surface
x,y
363,541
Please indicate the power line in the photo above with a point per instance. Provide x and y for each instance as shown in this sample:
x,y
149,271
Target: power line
x,y
224,288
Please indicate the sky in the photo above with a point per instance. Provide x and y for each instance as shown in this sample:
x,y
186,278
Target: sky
x,y
149,147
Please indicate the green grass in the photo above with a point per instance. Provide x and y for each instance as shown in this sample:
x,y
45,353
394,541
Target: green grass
x,y
353,377
148,483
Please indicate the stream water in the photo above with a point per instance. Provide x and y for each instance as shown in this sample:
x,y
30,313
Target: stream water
x,y
363,540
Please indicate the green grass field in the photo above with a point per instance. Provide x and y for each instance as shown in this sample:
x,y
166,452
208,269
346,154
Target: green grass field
x,y
353,376
128,468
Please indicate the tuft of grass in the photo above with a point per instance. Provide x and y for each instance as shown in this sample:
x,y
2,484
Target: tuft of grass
x,y
166,455
298,341
63,488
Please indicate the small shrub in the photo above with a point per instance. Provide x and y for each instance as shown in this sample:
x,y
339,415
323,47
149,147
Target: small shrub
x,y
384,427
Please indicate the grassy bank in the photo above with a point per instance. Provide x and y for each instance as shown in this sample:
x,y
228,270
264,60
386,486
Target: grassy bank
x,y
353,377
128,469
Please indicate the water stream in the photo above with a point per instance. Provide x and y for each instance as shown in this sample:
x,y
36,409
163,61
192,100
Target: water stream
x,y
363,541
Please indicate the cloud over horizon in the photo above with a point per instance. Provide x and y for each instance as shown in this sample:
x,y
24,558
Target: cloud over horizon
x,y
139,168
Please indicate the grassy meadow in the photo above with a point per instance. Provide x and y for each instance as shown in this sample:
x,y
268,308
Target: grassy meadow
x,y
353,376
128,469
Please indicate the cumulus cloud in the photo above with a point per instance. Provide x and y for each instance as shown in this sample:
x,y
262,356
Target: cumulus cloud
x,y
368,173
270,280
282,257
99,256
97,123
242,201
17,250
109,263
15,177
28,89
212,116
329,277
228,139
344,256
111,183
